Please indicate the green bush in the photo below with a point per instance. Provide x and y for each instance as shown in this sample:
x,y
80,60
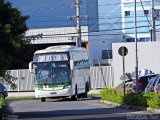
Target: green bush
x,y
111,95
2,103
153,100
133,99
3,109
150,99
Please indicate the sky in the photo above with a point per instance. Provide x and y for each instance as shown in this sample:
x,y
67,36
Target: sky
x,y
51,13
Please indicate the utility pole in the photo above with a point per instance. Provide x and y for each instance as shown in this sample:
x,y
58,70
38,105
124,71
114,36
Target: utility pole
x,y
78,22
153,35
136,50
78,40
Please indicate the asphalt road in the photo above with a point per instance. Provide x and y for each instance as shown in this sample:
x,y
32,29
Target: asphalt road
x,y
86,109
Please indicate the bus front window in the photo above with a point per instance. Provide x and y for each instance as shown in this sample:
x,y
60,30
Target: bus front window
x,y
60,73
52,73
42,72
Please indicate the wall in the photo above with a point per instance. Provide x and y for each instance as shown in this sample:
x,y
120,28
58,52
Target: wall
x,y
148,58
102,41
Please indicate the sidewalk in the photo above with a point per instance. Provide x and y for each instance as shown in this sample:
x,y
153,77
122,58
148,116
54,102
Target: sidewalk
x,y
20,94
32,94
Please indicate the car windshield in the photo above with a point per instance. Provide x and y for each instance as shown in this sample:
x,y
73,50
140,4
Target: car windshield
x,y
52,73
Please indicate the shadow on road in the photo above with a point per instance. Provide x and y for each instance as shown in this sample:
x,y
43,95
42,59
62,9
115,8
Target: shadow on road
x,y
95,113
85,114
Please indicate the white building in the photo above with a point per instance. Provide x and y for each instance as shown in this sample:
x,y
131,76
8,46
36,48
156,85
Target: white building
x,y
144,24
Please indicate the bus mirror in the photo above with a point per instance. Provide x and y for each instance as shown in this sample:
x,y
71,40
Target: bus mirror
x,y
71,64
31,67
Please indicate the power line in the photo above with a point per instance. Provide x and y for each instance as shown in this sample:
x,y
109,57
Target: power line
x,y
51,36
82,19
145,15
64,6
92,24
102,31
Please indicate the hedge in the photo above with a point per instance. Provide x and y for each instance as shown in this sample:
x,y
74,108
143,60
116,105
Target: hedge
x,y
150,99
2,103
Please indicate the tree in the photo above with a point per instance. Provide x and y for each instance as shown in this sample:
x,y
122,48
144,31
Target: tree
x,y
13,46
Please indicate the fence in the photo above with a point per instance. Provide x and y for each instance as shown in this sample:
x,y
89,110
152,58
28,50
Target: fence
x,y
24,81
158,35
100,78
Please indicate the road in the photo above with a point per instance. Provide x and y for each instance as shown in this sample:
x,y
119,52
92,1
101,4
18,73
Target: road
x,y
86,109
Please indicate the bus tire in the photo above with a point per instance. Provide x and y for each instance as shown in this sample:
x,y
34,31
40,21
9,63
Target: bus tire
x,y
75,97
43,99
84,95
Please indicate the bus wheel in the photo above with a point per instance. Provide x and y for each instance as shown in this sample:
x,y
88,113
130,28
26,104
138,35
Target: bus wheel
x,y
43,99
74,97
84,95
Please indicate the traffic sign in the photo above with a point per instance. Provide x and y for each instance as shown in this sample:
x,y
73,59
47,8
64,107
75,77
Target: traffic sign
x,y
123,51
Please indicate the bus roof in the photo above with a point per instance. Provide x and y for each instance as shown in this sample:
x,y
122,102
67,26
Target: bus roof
x,y
61,48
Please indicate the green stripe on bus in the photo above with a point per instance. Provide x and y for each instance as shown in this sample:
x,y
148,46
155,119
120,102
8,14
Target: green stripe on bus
x,y
52,85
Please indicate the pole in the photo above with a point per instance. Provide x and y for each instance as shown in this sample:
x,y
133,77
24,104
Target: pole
x,y
78,41
124,87
153,21
135,30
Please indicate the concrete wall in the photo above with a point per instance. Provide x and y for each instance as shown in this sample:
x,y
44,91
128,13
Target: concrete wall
x,y
102,41
148,58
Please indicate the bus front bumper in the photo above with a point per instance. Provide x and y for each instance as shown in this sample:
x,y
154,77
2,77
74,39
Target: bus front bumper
x,y
53,93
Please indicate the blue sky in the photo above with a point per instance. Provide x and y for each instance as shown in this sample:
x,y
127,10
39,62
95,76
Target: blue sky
x,y
52,13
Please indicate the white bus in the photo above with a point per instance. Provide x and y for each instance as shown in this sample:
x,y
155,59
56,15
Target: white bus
x,y
61,71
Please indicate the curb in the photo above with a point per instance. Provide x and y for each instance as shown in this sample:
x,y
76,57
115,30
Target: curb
x,y
130,106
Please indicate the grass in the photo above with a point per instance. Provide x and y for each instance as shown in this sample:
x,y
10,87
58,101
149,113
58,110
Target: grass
x,y
91,95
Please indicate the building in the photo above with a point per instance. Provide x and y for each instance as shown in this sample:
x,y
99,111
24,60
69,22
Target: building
x,y
144,24
110,30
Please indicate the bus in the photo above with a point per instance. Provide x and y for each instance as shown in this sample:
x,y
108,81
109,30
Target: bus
x,y
61,71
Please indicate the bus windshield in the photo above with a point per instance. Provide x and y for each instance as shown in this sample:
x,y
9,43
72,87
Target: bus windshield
x,y
52,73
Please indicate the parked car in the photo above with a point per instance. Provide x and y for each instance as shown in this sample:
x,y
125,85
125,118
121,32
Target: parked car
x,y
3,91
153,85
142,83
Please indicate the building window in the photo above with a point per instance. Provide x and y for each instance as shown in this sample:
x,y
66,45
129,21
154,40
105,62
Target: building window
x,y
127,13
130,40
146,12
106,54
142,40
157,14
